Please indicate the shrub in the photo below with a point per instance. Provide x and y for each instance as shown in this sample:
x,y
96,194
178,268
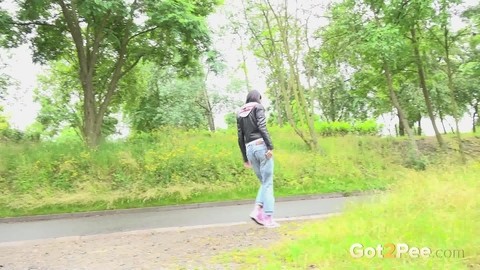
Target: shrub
x,y
369,127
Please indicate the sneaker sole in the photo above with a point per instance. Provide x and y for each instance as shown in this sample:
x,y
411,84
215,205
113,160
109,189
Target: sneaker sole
x,y
256,221
272,226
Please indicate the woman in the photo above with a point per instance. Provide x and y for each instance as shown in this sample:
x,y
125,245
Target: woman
x,y
257,150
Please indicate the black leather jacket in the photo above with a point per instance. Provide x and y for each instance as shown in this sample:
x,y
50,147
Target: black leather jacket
x,y
251,125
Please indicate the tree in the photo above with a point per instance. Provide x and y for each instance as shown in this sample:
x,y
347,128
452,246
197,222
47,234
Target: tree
x,y
360,34
116,33
170,102
212,64
239,29
447,41
60,96
412,16
276,35
338,97
469,78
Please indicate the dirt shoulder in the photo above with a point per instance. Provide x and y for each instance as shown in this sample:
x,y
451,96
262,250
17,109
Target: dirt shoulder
x,y
148,249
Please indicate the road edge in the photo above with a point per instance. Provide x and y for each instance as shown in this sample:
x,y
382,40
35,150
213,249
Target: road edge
x,y
178,206
160,230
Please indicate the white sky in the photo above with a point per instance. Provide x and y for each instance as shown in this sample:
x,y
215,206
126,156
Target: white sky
x,y
22,111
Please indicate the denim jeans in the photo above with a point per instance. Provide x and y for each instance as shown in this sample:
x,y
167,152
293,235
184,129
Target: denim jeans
x,y
263,168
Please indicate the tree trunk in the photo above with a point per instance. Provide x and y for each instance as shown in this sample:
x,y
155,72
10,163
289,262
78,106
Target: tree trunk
x,y
423,86
278,108
244,64
208,106
401,128
443,123
474,116
89,131
451,87
332,113
419,127
211,122
401,114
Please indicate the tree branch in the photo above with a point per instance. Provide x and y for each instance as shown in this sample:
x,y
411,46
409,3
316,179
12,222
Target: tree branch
x,y
143,32
75,30
255,35
99,35
38,23
129,68
117,73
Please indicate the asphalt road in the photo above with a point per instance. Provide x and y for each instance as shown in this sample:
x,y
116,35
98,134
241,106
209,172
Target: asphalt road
x,y
12,230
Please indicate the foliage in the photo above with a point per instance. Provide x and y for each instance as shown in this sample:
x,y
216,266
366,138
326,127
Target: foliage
x,y
5,81
170,102
105,40
231,120
276,34
35,132
7,133
369,127
60,96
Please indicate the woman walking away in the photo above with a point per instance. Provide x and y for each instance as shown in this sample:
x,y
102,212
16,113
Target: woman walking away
x,y
257,150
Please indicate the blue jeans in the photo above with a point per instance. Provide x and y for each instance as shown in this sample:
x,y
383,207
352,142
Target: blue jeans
x,y
263,168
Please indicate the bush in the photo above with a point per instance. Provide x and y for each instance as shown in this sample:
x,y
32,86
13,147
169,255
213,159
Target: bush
x,y
369,127
11,135
231,120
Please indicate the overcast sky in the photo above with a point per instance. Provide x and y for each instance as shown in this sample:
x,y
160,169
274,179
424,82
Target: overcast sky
x,y
22,111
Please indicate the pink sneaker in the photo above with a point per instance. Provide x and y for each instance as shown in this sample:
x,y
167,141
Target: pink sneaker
x,y
269,222
257,216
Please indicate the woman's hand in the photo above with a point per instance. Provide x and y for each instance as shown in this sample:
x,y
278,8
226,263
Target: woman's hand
x,y
269,154
247,165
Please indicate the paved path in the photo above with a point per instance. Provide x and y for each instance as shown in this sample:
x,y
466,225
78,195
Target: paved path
x,y
12,230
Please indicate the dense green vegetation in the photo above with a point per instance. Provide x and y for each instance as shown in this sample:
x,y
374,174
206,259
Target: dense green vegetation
x,y
175,166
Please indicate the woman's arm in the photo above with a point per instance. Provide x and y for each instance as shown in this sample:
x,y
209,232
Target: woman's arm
x,y
262,125
241,140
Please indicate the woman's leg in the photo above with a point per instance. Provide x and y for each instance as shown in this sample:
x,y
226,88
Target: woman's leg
x,y
256,164
257,213
267,194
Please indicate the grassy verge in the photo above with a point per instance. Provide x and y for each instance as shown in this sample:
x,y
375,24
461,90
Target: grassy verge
x,y
438,209
173,167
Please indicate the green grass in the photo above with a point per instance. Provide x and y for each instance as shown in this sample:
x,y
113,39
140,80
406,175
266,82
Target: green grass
x,y
174,167
437,208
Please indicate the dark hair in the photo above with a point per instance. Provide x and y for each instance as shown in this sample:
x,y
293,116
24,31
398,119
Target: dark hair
x,y
254,96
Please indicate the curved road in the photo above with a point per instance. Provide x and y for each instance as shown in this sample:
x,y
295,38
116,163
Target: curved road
x,y
45,227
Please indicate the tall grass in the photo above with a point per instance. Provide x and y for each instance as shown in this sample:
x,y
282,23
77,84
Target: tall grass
x,y
438,209
173,166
